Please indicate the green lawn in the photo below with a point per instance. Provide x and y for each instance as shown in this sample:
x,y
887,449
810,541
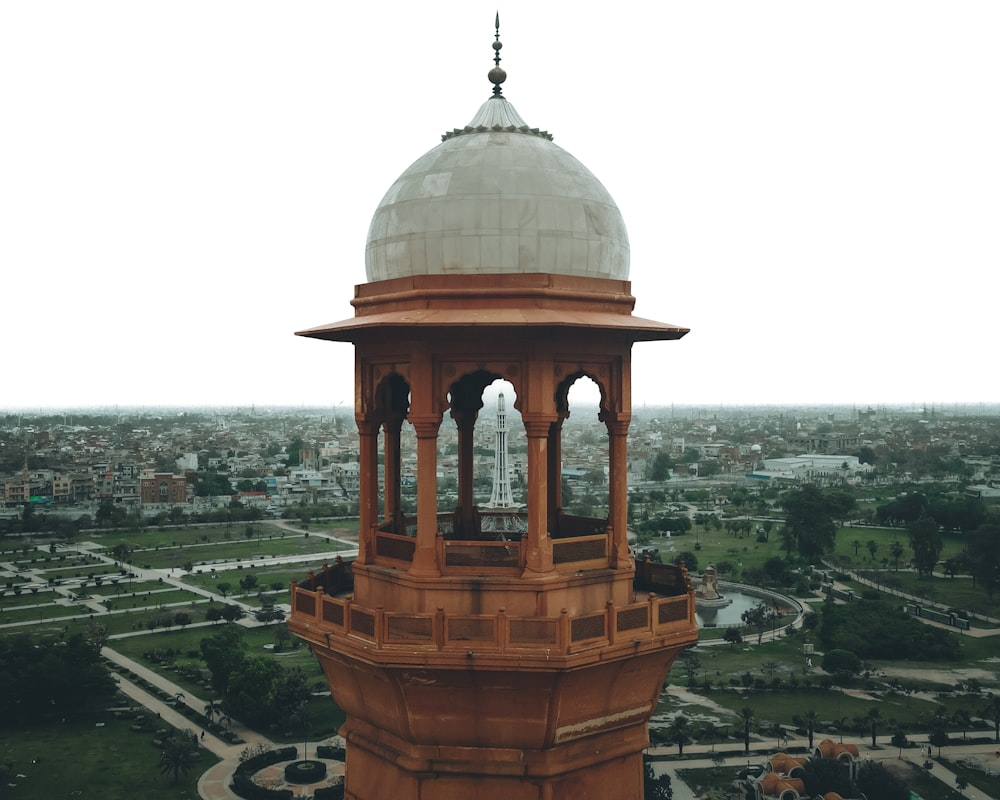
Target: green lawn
x,y
236,550
704,780
270,579
323,717
78,570
10,600
97,757
47,613
988,784
955,592
831,706
860,557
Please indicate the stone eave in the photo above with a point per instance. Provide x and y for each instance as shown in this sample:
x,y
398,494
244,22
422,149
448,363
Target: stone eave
x,y
636,329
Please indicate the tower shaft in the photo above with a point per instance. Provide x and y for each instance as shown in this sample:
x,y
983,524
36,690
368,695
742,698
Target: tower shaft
x,y
501,496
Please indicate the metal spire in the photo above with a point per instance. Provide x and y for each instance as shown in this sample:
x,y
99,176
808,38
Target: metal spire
x,y
497,75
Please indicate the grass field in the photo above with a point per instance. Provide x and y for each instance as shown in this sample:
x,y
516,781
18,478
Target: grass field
x,y
323,717
100,757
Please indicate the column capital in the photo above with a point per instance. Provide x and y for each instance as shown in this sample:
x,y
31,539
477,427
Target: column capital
x,y
425,427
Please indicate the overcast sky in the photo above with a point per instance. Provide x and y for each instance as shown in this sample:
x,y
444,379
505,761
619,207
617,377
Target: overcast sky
x,y
812,188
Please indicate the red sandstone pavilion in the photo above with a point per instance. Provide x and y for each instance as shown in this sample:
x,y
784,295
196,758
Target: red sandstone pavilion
x,y
469,665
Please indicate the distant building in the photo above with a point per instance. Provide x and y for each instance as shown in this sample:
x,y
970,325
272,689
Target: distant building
x,y
811,468
162,488
825,443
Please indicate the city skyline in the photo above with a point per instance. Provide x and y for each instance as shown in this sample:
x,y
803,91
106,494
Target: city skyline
x,y
810,189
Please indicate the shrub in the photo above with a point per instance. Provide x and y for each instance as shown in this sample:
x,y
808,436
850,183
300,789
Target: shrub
x,y
842,661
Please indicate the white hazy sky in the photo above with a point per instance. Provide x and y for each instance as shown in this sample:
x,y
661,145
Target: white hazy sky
x,y
812,187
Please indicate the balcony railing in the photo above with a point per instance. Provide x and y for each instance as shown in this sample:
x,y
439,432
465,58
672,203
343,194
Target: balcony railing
x,y
566,634
581,543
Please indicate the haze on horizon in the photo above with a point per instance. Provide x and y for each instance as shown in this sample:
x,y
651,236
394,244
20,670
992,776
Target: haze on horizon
x,y
811,188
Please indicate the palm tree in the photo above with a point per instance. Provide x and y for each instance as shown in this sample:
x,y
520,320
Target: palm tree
x,y
872,546
809,720
211,709
992,712
747,717
179,754
874,717
679,732
899,740
963,719
896,551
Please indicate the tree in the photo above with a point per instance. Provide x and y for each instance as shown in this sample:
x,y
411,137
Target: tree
x,y
223,653
248,583
873,717
823,775
872,546
250,694
984,555
963,719
875,781
899,740
809,721
179,754
809,516
991,711
679,732
733,635
747,718
938,738
182,619
291,692
788,541
659,467
758,617
690,560
655,788
120,553
896,551
926,543
841,662
40,680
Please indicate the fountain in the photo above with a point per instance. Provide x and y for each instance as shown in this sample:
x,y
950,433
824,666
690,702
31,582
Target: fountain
x,y
707,594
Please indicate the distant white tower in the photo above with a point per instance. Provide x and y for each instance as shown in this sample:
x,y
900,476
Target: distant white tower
x,y
501,496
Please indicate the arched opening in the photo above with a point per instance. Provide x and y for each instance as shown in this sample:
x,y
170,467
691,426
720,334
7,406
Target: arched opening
x,y
392,403
483,463
585,468
579,444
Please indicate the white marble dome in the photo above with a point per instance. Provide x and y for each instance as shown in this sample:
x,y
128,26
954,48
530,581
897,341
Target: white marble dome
x,y
497,197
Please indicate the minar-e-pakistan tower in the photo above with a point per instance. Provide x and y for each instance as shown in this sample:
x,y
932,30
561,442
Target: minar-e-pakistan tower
x,y
470,666
501,496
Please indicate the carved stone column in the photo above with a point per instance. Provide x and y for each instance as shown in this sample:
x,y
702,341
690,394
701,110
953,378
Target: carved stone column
x,y
554,473
539,541
465,420
367,488
618,493
425,556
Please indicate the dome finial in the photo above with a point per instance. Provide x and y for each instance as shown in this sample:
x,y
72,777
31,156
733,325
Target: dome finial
x,y
497,75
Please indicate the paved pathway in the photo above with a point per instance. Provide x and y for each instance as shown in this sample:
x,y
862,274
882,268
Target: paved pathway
x,y
214,783
732,755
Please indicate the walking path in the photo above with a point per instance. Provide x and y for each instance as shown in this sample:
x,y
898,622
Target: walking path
x,y
973,631
214,783
733,755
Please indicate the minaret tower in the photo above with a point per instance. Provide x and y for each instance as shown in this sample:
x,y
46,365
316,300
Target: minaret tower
x,y
501,496
523,669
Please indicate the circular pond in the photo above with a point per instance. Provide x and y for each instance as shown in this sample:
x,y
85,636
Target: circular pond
x,y
730,614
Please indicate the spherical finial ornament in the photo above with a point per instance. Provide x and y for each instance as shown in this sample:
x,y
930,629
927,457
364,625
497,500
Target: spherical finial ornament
x,y
497,76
